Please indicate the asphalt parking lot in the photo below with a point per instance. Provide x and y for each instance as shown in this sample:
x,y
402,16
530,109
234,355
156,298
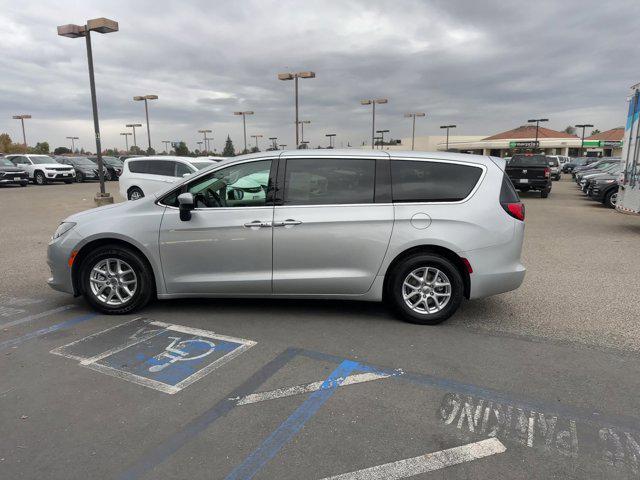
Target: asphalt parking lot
x,y
536,383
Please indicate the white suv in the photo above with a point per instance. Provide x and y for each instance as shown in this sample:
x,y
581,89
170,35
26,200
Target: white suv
x,y
43,169
145,175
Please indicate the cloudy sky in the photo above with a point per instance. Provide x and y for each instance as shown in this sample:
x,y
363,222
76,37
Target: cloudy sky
x,y
485,65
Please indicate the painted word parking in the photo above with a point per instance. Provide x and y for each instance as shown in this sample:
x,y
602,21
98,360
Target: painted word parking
x,y
158,355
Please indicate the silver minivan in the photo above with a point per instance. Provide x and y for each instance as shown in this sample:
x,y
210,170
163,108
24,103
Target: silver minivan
x,y
419,231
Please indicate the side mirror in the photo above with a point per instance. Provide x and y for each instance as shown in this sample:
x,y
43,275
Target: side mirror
x,y
185,204
184,175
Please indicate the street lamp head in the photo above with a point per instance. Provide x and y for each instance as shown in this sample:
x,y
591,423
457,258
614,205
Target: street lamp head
x,y
139,98
365,102
21,117
381,100
102,25
151,97
304,121
72,31
243,113
330,135
73,138
133,125
285,76
307,74
205,131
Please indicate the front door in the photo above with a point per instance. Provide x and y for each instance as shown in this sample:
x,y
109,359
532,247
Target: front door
x,y
226,247
330,235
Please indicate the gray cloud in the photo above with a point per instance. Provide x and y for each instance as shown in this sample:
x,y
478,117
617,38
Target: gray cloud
x,y
486,66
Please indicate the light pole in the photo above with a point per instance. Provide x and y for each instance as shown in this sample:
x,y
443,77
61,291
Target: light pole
x,y
537,121
73,145
282,145
382,132
206,145
22,118
448,127
302,122
199,147
166,144
133,126
331,138
274,143
244,126
139,98
100,25
294,76
583,126
126,139
373,102
413,131
256,138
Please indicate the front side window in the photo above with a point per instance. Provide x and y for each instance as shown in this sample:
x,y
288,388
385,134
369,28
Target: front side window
x,y
328,181
424,181
242,185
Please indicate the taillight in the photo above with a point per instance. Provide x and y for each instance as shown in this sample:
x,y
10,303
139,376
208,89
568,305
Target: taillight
x,y
547,172
516,210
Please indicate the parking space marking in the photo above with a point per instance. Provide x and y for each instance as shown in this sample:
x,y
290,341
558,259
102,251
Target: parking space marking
x,y
309,387
177,440
426,463
158,355
9,311
36,316
292,425
14,342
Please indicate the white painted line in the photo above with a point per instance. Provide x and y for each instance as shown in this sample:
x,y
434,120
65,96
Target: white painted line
x,y
307,388
129,343
36,316
62,349
426,463
133,378
9,311
202,333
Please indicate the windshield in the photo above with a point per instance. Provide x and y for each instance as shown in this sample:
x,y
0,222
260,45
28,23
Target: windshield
x,y
6,162
82,162
42,159
201,165
522,160
112,161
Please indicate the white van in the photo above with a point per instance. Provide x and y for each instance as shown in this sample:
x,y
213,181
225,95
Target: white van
x,y
145,175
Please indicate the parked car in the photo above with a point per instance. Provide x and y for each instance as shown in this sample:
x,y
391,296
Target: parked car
x,y
597,167
122,158
43,169
588,179
12,175
85,168
420,231
562,161
604,188
113,166
576,162
145,175
554,165
530,172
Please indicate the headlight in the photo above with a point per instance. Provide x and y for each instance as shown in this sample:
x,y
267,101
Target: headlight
x,y
609,181
63,228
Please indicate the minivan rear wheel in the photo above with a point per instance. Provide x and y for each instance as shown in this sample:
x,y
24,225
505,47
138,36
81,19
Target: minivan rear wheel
x,y
425,289
135,193
115,280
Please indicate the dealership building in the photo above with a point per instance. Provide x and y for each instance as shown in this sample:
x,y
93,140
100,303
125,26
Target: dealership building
x,y
521,140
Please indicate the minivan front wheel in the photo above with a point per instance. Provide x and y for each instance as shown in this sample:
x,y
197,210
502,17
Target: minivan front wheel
x,y
115,280
425,289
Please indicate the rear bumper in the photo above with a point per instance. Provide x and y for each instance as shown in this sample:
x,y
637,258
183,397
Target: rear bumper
x,y
531,184
497,269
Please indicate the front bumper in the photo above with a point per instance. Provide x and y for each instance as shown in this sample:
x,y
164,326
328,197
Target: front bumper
x,y
59,175
13,180
58,254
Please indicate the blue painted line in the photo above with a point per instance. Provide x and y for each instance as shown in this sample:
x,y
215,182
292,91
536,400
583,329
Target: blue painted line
x,y
292,425
14,342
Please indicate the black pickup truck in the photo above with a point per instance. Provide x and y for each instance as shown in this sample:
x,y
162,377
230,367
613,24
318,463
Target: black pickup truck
x,y
530,172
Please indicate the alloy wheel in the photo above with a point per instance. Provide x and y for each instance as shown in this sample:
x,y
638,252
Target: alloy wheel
x,y
113,281
426,290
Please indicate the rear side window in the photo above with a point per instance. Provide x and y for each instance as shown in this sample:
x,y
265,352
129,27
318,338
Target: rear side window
x,y
423,181
326,181
139,166
181,169
508,193
153,167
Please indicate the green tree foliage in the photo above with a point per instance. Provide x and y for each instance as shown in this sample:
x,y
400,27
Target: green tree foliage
x,y
151,151
595,132
570,130
5,142
136,150
229,150
255,149
41,147
61,151
182,150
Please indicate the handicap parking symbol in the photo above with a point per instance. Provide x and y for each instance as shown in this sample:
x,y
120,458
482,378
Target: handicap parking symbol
x,y
163,356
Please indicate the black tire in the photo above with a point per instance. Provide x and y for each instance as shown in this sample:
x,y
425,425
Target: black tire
x,y
79,177
23,184
544,193
107,176
145,287
135,192
39,178
68,182
394,293
610,199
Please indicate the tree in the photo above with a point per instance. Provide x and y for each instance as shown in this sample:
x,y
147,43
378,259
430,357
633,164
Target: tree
x,y
570,130
229,150
595,132
61,150
41,147
182,150
151,151
255,149
136,150
5,142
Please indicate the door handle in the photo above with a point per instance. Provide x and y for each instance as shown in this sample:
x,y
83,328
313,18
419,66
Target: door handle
x,y
286,223
257,224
